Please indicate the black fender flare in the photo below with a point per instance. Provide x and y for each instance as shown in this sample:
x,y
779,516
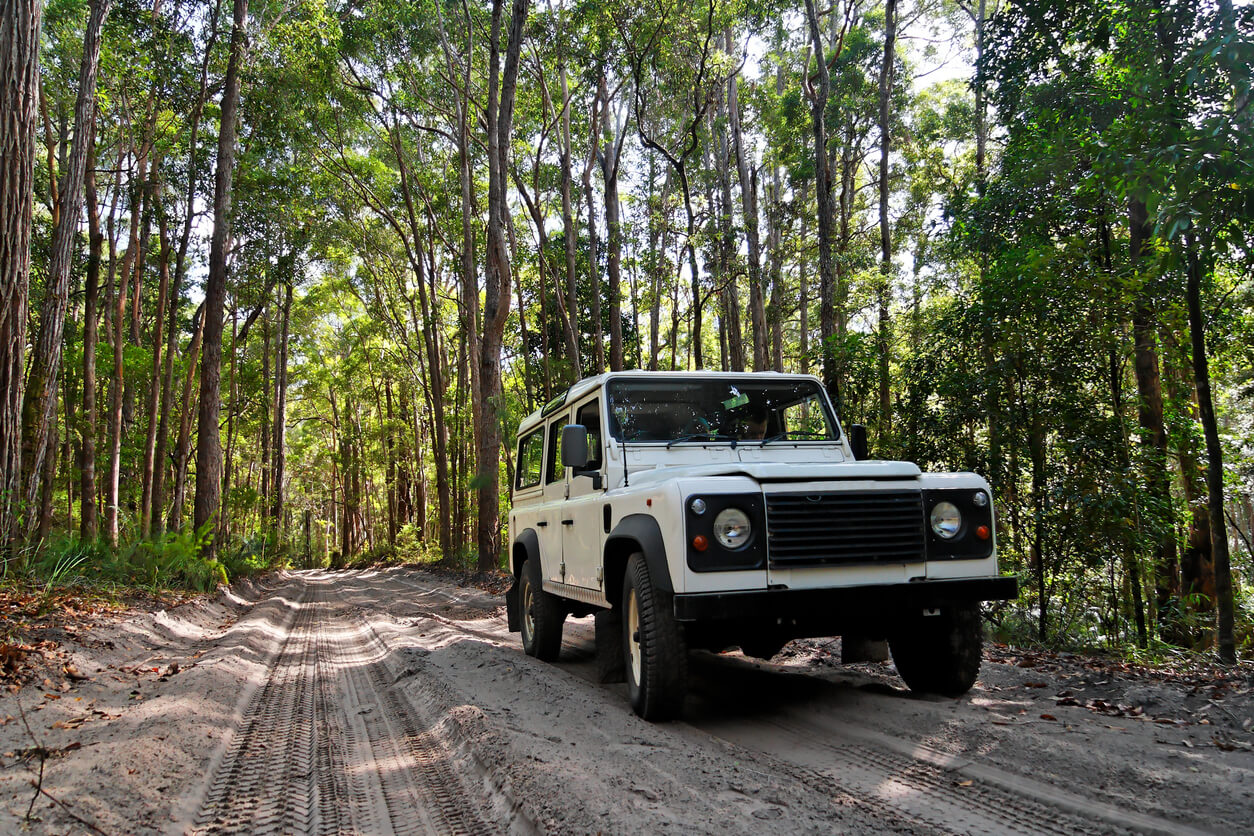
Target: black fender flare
x,y
638,532
526,547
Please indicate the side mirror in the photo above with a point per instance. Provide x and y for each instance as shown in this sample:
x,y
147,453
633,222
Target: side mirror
x,y
575,446
857,441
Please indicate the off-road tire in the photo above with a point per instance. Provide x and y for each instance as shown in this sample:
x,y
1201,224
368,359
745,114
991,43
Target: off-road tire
x,y
541,613
940,654
653,646
611,665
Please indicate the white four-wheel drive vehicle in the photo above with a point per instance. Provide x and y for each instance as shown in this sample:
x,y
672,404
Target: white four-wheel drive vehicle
x,y
712,510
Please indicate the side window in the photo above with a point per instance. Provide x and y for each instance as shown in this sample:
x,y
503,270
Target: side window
x,y
805,418
557,471
590,416
530,460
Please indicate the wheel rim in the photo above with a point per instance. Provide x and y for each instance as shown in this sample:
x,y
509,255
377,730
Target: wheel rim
x,y
529,619
633,636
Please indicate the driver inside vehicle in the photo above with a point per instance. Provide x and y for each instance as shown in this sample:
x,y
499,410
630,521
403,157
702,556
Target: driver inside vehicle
x,y
753,426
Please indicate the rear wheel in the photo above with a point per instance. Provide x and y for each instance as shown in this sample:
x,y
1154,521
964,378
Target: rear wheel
x,y
654,650
940,654
542,615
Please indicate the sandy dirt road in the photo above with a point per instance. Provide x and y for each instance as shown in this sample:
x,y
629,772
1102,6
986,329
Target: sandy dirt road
x,y
396,702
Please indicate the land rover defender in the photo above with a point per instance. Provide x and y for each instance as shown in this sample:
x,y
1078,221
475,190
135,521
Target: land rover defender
x,y
705,510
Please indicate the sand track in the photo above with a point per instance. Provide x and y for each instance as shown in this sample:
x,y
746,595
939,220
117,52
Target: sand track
x,y
395,702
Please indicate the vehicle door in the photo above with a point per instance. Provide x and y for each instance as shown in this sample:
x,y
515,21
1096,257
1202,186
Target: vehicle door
x,y
528,500
582,527
549,519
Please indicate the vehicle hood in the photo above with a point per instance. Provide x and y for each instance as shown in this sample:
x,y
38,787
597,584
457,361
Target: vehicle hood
x,y
781,471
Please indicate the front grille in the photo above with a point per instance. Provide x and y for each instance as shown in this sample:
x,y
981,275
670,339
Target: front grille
x,y
832,528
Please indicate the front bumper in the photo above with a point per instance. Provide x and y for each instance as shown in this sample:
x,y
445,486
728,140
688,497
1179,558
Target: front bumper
x,y
843,603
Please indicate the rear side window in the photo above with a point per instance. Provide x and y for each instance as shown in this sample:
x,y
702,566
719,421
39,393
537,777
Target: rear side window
x,y
530,460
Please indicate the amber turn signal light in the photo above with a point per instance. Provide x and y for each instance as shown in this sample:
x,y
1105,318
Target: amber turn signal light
x,y
700,543
982,532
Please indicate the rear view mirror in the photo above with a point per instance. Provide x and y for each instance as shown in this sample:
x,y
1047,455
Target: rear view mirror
x,y
575,446
857,442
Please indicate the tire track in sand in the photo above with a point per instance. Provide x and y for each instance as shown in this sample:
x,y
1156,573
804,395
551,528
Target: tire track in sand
x,y
328,746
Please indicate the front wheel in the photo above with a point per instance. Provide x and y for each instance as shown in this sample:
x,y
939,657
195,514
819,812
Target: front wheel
x,y
940,653
542,615
654,649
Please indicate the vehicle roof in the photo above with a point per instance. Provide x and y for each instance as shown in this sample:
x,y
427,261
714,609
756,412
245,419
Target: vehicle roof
x,y
583,387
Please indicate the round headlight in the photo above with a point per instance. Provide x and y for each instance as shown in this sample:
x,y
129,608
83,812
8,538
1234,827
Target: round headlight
x,y
732,528
946,520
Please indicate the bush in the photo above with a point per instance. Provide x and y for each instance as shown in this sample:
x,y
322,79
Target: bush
x,y
173,560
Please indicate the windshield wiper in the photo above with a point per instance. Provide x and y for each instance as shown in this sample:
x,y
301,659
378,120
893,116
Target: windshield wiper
x,y
797,433
706,436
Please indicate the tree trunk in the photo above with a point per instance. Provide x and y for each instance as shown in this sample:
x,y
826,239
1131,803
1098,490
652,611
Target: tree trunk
x,y
726,260
408,452
470,269
172,332
266,419
594,275
225,518
183,448
849,164
43,519
91,322
1132,562
524,333
569,236
884,291
116,387
138,264
1214,464
436,372
500,117
803,300
749,204
208,442
40,404
19,97
1036,444
1197,564
775,221
823,196
694,275
389,440
655,210
614,229
279,435
992,397
150,441
1150,416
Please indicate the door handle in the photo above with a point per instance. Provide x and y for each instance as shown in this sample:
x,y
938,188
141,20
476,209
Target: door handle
x,y
568,522
542,524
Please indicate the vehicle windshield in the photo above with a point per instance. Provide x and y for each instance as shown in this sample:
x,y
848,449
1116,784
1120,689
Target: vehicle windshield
x,y
745,410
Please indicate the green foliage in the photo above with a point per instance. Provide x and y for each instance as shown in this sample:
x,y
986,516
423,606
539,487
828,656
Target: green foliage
x,y
172,561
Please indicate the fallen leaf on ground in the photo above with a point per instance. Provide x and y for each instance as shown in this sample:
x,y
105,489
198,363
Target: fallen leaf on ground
x,y
72,673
